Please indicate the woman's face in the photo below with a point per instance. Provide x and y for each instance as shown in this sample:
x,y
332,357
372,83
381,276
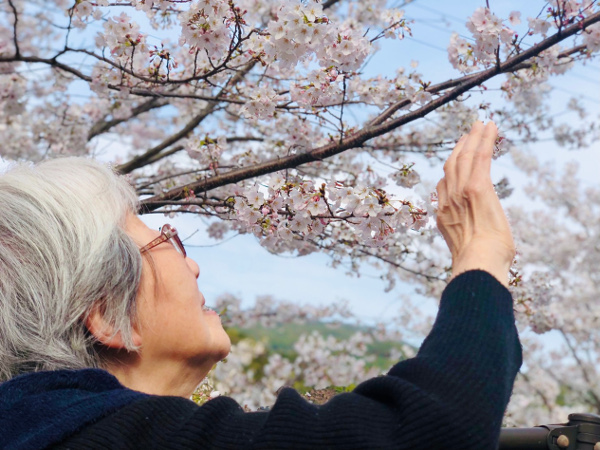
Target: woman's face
x,y
174,327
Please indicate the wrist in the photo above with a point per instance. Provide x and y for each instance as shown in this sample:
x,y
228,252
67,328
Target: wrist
x,y
496,263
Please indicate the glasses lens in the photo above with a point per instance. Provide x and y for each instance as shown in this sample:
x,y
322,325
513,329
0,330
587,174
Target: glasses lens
x,y
178,244
171,232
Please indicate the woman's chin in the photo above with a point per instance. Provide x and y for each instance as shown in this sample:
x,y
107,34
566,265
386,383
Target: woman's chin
x,y
226,347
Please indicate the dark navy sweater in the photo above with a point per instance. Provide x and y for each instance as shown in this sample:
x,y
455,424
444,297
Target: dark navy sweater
x,y
452,395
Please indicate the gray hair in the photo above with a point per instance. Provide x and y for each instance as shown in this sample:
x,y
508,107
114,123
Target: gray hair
x,y
63,252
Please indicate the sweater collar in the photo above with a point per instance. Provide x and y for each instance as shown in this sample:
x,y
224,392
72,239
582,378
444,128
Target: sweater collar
x,y
42,408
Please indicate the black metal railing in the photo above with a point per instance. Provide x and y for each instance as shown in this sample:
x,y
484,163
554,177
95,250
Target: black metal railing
x,y
582,432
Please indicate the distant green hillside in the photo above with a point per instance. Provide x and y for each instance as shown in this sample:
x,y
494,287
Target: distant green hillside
x,y
281,339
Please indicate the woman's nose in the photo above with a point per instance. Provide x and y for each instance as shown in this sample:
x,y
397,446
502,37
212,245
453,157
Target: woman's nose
x,y
193,266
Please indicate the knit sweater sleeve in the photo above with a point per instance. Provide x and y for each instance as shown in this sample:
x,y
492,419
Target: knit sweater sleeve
x,y
451,395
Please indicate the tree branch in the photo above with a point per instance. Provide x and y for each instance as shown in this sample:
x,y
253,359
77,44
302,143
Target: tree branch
x,y
103,126
164,154
584,372
149,156
154,154
538,391
436,88
401,267
375,128
51,62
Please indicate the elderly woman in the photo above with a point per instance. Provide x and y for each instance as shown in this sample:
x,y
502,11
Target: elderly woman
x,y
104,334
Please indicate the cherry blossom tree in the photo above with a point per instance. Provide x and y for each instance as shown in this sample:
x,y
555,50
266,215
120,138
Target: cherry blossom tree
x,y
263,116
556,290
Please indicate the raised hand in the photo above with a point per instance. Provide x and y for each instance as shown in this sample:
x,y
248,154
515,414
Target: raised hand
x,y
470,216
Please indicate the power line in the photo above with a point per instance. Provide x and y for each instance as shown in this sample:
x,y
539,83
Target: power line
x,y
445,30
444,15
576,94
427,44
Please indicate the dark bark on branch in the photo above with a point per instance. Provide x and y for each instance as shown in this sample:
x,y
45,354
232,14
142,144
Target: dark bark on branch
x,y
164,154
15,38
169,82
102,126
53,63
378,127
389,112
330,3
151,154
178,148
400,266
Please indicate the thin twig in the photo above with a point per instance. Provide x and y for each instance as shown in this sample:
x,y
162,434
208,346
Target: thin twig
x,y
154,152
584,372
15,39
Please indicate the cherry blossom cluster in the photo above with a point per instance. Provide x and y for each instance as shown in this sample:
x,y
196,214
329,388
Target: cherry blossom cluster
x,y
541,312
205,27
268,312
320,88
489,32
297,134
148,5
406,177
262,103
236,378
85,9
591,37
320,361
566,12
301,31
527,88
378,13
12,89
204,392
253,375
347,362
395,27
555,292
124,39
377,91
301,210
206,150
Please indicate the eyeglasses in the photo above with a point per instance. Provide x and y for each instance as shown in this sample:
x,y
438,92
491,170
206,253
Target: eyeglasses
x,y
167,233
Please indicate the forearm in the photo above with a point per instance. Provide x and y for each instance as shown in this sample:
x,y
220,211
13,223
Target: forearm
x,y
470,359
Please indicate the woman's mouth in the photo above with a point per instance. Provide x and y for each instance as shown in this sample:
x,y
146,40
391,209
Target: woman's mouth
x,y
208,310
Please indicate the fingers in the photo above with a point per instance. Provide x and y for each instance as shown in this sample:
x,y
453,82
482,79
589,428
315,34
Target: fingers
x,y
450,163
442,193
483,157
471,156
464,160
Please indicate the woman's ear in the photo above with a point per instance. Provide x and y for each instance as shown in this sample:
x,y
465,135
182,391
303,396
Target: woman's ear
x,y
105,332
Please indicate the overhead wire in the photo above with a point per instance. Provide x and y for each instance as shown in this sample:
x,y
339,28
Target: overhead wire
x,y
444,16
